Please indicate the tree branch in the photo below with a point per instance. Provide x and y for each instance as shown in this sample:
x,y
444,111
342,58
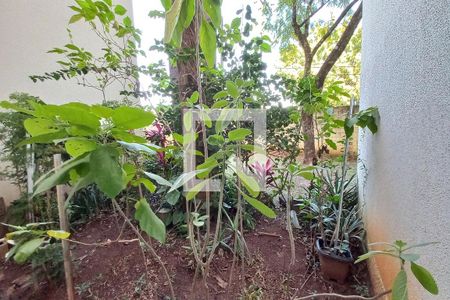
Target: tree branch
x,y
313,13
333,27
338,296
340,47
302,38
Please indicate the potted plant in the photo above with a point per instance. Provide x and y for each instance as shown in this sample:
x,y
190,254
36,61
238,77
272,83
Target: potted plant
x,y
334,251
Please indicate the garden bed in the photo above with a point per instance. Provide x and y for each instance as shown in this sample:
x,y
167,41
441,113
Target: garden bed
x,y
116,271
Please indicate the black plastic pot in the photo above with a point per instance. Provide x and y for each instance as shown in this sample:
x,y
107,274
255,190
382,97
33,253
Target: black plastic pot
x,y
333,266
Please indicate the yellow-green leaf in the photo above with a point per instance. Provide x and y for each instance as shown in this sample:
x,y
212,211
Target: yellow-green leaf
x,y
172,16
259,206
208,42
58,234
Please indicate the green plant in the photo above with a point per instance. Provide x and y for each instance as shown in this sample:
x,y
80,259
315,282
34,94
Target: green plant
x,y
85,203
12,132
402,252
47,263
26,240
95,136
83,288
365,118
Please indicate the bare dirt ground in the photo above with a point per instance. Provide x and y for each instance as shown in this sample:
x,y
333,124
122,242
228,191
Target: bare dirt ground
x,y
118,271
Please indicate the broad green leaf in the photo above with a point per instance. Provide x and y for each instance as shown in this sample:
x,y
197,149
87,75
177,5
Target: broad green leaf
x,y
189,138
188,11
216,140
410,256
58,234
420,245
166,4
232,89
220,104
77,147
206,119
195,190
400,286
208,166
120,10
8,105
331,144
81,131
249,182
27,249
425,278
122,135
132,117
44,138
38,126
307,175
261,207
149,149
74,114
348,128
173,197
81,183
158,179
194,97
147,183
178,138
223,120
106,170
370,254
101,111
265,47
58,176
75,18
130,171
149,222
220,95
187,120
172,16
212,8
208,42
183,178
239,134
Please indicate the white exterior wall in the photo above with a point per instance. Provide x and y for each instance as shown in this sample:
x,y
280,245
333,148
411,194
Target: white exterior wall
x,y
405,182
28,29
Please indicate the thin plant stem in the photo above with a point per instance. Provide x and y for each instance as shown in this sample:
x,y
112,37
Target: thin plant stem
x,y
336,233
337,296
289,222
152,250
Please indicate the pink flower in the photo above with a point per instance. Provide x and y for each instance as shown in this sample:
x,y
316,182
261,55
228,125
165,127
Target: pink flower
x,y
156,134
155,131
263,170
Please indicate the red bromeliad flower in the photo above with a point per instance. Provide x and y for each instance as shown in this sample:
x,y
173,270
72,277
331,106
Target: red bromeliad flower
x,y
156,134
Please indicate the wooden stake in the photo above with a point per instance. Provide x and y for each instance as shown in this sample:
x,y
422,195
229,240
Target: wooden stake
x,y
64,225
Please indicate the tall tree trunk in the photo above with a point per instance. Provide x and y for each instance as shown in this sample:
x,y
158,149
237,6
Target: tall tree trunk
x,y
339,48
309,152
309,146
187,67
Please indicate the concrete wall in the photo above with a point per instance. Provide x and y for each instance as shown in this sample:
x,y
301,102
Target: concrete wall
x,y
405,181
28,29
